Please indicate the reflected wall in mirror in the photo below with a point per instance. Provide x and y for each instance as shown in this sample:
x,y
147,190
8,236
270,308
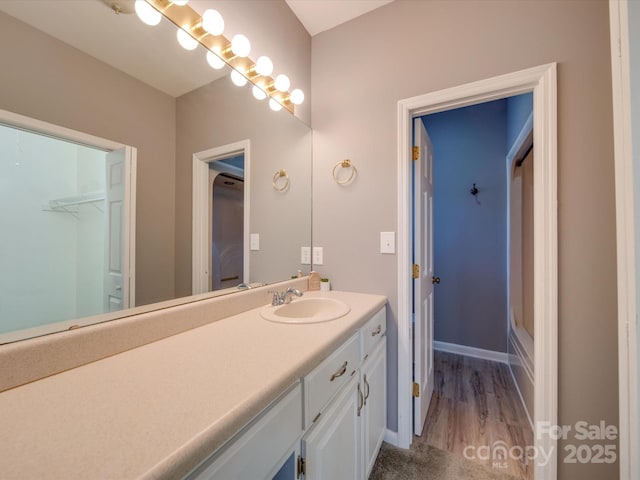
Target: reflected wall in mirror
x,y
54,82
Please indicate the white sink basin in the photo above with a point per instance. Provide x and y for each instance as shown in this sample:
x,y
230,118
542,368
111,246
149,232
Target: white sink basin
x,y
306,310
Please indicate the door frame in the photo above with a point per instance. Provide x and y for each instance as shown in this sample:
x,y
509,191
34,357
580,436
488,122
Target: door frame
x,y
629,436
23,122
200,211
542,81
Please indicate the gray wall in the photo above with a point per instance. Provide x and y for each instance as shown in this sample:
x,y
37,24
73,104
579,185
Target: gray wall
x,y
470,303
278,140
46,79
358,76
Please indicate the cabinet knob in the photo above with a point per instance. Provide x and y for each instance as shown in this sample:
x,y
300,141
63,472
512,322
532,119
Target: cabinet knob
x,y
376,331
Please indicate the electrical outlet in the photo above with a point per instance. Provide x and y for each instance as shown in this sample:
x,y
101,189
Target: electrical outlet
x,y
318,256
305,255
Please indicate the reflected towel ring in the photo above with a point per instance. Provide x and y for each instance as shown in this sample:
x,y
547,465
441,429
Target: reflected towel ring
x,y
339,166
280,185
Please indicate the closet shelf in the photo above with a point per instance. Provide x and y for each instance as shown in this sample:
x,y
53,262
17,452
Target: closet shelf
x,y
65,204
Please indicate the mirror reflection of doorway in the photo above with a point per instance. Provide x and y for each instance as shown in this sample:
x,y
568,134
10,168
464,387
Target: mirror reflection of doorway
x,y
226,183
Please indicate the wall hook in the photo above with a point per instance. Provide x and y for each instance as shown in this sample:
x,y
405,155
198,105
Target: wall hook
x,y
474,190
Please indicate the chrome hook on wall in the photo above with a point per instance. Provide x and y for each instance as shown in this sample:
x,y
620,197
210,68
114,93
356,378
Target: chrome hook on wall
x,y
474,191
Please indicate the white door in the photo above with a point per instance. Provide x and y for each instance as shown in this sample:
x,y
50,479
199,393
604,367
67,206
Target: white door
x,y
423,286
331,448
117,223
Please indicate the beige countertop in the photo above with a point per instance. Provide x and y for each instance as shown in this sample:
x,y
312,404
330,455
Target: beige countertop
x,y
158,410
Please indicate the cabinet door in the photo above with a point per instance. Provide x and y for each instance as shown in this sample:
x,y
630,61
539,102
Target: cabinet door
x,y
331,448
374,412
261,447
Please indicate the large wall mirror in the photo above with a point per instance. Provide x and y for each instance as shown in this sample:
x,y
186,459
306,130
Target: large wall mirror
x,y
79,66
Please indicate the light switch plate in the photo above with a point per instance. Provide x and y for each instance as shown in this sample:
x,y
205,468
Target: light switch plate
x,y
318,256
387,242
305,255
254,241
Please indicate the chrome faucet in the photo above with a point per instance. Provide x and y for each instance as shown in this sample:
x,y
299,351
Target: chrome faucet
x,y
285,297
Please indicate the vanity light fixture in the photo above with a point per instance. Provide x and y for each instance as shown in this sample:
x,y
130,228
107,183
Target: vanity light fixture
x,y
258,92
296,96
212,22
275,105
282,83
206,29
238,78
264,66
147,14
240,45
214,60
185,40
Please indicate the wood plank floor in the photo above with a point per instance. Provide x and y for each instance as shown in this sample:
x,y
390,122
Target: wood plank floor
x,y
476,412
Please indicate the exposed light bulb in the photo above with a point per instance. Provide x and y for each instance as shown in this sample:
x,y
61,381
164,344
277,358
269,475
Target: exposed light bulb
x,y
180,3
147,13
212,22
264,66
214,60
282,83
274,105
185,40
258,93
240,45
297,96
238,78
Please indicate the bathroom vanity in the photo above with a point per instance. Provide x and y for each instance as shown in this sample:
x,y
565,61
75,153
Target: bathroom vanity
x,y
241,397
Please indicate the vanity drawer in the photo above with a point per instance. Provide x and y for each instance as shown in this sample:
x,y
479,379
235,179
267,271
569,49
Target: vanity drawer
x,y
327,378
373,330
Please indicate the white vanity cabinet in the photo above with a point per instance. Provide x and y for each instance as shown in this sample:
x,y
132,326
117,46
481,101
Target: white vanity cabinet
x,y
373,376
262,447
344,439
328,426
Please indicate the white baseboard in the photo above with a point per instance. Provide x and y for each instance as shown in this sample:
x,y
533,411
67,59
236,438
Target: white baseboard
x,y
391,437
524,404
501,357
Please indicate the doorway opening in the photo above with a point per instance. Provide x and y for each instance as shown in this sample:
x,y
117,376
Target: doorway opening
x,y
542,82
226,178
68,228
220,220
461,300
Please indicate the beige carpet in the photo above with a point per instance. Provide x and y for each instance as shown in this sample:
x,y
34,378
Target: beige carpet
x,y
424,462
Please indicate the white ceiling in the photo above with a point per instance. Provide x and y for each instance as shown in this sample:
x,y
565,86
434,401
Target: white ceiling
x,y
320,15
152,55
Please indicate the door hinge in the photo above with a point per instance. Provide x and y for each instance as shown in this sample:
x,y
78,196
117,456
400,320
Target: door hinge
x,y
416,270
416,390
416,153
302,467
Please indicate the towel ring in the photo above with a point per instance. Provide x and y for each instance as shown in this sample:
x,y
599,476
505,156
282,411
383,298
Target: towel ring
x,y
280,186
339,166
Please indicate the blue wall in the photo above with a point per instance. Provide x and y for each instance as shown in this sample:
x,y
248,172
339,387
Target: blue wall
x,y
518,110
470,146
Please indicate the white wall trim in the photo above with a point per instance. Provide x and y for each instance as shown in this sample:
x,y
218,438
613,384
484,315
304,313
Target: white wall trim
x,y
519,144
542,81
501,357
524,405
625,233
391,437
200,211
